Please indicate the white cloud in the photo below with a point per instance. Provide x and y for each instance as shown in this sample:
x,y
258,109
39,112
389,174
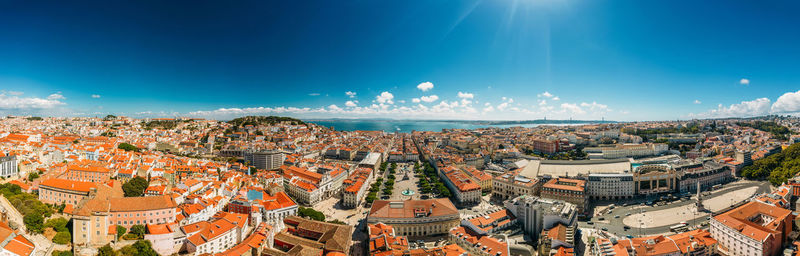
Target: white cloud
x,y
697,102
757,107
334,108
787,103
401,101
313,94
385,97
542,102
56,96
744,81
556,98
572,108
350,103
350,94
19,103
95,96
425,86
545,94
502,106
510,100
15,93
415,100
465,95
428,99
594,106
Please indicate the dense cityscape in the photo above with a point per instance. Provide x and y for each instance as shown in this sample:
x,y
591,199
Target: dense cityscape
x,y
399,128
261,185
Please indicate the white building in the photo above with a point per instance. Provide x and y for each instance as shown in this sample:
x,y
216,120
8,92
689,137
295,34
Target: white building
x,y
610,186
8,165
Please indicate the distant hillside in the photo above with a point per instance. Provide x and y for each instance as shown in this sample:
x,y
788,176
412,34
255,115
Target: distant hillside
x,y
262,120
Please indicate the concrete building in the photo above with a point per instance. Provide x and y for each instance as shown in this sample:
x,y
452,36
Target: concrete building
x,y
568,190
655,179
707,174
536,214
512,184
8,165
610,186
266,160
465,190
744,157
416,217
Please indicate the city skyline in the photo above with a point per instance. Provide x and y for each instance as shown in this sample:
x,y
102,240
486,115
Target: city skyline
x,y
471,60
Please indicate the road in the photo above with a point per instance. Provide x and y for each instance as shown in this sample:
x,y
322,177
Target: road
x,y
616,225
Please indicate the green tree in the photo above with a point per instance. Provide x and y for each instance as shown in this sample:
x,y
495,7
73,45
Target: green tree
x,y
128,147
62,237
32,176
33,222
135,187
57,224
138,230
311,213
144,248
106,250
121,231
62,253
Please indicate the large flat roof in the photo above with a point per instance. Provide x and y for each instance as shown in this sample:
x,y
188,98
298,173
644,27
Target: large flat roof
x,y
572,168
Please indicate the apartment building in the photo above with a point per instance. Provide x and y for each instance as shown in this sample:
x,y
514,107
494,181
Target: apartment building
x,y
265,160
568,190
355,187
465,190
610,186
8,165
754,228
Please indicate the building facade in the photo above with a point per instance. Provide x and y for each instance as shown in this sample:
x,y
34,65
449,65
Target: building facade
x,y
8,165
58,191
568,190
266,160
754,228
416,217
610,186
536,214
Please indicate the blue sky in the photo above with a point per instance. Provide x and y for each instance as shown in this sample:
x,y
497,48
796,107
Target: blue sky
x,y
491,59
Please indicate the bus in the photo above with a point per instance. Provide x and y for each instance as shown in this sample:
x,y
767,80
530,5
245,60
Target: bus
x,y
678,228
